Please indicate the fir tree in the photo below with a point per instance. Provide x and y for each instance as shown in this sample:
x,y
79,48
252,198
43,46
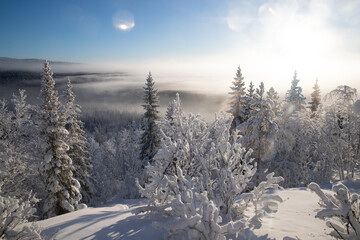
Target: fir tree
x,y
61,188
294,96
238,98
150,136
79,146
315,98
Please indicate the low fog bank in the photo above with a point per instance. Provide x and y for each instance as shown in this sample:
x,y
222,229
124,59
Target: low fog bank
x,y
108,92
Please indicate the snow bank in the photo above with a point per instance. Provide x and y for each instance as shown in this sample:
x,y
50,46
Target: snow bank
x,y
295,219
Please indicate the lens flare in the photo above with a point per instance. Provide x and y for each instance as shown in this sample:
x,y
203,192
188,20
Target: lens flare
x,y
123,21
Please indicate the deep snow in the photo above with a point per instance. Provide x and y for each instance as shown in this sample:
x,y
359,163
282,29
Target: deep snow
x,y
295,219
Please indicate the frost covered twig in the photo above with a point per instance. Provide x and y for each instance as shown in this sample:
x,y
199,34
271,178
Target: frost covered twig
x,y
342,205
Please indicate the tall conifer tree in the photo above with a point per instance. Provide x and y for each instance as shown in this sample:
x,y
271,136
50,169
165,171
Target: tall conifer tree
x,y
315,98
150,139
62,190
238,99
79,146
294,96
273,98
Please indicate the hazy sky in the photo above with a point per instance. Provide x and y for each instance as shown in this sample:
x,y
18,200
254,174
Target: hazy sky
x,y
194,41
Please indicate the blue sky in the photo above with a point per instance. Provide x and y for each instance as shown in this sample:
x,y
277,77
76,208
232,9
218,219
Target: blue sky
x,y
83,30
194,39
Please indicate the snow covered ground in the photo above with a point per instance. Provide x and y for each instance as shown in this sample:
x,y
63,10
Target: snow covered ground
x,y
295,219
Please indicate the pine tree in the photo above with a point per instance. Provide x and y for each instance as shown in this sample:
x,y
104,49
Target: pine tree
x,y
315,98
238,98
150,136
294,96
78,144
61,188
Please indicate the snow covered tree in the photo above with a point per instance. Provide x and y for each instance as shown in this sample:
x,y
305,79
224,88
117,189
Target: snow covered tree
x,y
248,99
61,187
315,98
341,130
294,97
273,98
341,206
78,145
170,110
199,171
18,148
296,154
260,129
238,98
13,213
150,136
129,143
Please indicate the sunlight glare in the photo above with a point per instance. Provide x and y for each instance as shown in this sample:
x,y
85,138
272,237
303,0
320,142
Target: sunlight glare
x,y
123,21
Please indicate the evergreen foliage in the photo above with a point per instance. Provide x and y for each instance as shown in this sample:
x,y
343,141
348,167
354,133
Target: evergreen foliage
x,y
294,97
78,145
248,100
315,98
260,128
62,189
150,136
273,98
238,100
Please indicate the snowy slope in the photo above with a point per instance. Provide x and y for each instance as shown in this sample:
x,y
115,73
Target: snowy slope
x,y
295,219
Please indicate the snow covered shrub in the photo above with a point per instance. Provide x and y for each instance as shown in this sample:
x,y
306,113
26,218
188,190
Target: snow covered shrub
x,y
194,215
13,213
197,174
341,209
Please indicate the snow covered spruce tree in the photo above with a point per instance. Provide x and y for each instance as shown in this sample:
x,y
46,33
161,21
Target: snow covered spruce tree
x,y
248,100
62,189
150,136
199,171
260,129
294,98
315,99
238,99
78,145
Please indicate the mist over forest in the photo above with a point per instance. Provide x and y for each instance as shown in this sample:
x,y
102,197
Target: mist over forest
x,y
99,91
